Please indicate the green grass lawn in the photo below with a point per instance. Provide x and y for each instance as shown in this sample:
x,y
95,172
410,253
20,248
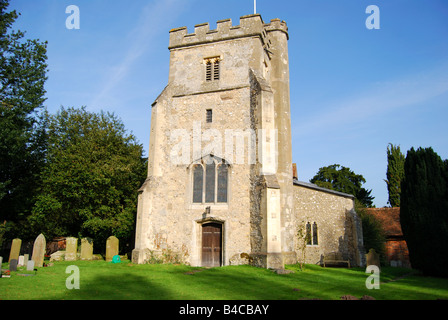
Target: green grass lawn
x,y
103,280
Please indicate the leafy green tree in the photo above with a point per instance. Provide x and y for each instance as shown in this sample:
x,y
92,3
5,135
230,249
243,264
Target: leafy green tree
x,y
22,77
90,182
424,210
394,174
374,236
342,179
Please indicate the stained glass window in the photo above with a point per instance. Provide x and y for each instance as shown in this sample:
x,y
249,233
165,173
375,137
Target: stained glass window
x,y
213,187
315,233
210,182
308,233
198,182
222,183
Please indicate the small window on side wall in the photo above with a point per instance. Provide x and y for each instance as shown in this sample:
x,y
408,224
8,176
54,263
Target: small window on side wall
x,y
315,234
209,116
311,234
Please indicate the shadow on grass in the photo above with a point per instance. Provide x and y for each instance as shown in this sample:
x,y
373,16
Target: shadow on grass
x,y
209,284
103,281
123,287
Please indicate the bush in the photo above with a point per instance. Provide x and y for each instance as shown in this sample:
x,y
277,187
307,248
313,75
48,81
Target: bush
x,y
373,234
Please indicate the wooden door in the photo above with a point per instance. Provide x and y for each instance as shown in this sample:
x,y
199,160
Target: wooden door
x,y
211,245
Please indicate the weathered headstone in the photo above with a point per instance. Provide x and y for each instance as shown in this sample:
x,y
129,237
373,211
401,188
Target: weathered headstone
x,y
15,249
111,248
373,258
21,259
57,256
13,265
30,265
1,261
39,251
26,257
86,249
71,249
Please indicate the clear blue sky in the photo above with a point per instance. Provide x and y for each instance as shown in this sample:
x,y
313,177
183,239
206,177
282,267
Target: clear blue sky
x,y
353,90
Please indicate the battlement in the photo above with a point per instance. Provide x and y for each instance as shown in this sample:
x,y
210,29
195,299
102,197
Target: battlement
x,y
250,25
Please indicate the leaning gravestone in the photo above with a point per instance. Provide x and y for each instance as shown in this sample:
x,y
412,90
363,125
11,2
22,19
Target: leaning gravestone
x,y
39,251
13,265
71,249
30,265
373,258
15,249
111,248
86,249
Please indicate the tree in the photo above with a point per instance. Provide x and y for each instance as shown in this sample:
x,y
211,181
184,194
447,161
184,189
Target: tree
x,y
90,182
424,210
374,236
342,179
22,77
303,237
394,174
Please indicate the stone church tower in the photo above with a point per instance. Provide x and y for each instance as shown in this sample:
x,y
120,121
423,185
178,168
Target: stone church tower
x,y
220,187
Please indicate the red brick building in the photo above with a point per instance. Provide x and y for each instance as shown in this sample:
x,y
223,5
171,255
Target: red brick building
x,y
397,254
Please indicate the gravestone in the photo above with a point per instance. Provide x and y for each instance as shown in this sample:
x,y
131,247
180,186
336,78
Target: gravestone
x,y
111,248
30,265
1,261
373,258
15,249
71,249
21,259
57,256
86,249
26,257
13,265
39,251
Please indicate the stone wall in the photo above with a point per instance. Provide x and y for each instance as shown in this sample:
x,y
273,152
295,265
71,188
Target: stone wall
x,y
339,229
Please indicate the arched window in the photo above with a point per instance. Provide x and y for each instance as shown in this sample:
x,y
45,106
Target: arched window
x,y
311,234
308,234
210,178
211,187
315,233
198,177
222,182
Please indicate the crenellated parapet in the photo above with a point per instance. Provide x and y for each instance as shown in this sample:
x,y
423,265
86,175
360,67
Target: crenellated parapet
x,y
250,26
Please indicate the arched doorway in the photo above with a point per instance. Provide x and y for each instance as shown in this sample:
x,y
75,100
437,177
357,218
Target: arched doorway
x,y
211,245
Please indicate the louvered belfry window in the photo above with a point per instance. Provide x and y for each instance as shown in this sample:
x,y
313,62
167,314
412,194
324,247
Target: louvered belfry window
x,y
212,69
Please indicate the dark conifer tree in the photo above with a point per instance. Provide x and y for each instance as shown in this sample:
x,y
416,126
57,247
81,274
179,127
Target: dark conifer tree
x,y
424,211
394,174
